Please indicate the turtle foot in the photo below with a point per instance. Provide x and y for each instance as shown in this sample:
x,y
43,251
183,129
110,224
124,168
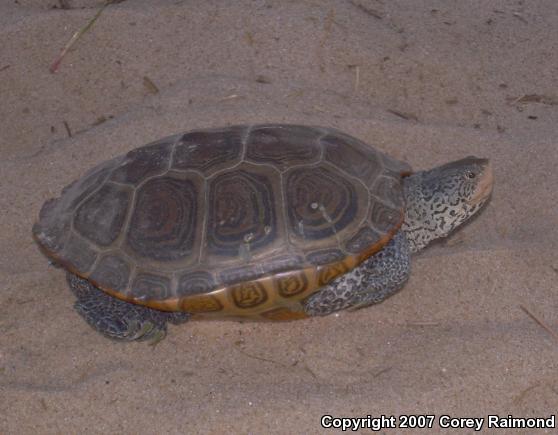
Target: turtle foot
x,y
117,319
371,282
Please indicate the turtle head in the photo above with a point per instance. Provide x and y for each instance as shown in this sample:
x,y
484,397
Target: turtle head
x,y
441,199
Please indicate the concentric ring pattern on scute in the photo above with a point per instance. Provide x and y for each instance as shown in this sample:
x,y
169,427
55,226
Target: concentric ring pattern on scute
x,y
241,211
164,220
320,202
229,220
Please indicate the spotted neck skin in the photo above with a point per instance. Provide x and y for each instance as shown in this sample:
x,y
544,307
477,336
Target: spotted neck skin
x,y
441,199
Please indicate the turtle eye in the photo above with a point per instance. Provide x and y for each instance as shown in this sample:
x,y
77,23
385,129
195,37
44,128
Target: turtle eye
x,y
470,174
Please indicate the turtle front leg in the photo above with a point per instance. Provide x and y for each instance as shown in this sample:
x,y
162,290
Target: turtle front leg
x,y
375,279
118,319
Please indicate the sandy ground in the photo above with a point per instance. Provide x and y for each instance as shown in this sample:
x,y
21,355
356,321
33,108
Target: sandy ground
x,y
426,81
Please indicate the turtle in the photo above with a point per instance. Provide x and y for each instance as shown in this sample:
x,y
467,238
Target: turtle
x,y
266,221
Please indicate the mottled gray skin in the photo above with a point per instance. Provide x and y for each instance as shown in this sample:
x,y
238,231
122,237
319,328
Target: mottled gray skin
x,y
119,319
371,282
437,202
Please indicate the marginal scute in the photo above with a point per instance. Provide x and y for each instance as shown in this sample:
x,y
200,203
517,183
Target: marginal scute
x,y
329,272
389,188
383,217
291,284
362,240
49,231
201,304
241,213
209,150
150,286
282,263
79,253
320,202
325,256
101,216
249,294
283,147
149,160
239,274
164,220
199,282
396,166
56,214
111,272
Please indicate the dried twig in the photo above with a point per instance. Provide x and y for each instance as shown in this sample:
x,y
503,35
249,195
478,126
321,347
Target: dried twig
x,y
230,97
406,116
533,98
520,17
151,87
76,36
356,84
367,10
67,127
540,322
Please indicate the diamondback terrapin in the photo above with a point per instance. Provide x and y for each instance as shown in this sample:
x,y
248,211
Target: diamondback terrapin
x,y
265,221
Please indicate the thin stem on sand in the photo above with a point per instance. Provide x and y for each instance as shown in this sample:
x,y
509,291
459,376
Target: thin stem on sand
x,y
76,36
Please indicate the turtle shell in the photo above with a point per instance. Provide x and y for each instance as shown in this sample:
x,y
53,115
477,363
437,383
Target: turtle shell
x,y
242,221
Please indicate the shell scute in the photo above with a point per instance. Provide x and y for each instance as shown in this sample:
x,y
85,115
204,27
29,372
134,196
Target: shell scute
x,y
320,202
201,304
240,274
101,217
291,284
384,217
150,286
163,226
249,294
364,238
80,253
147,161
283,147
192,283
242,211
55,217
112,272
208,151
355,160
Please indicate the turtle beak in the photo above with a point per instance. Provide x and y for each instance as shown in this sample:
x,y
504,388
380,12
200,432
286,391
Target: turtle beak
x,y
484,184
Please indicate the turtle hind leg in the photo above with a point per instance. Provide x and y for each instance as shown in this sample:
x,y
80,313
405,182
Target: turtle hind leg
x,y
118,319
371,282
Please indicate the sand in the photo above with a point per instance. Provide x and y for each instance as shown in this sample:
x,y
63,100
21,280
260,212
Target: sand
x,y
426,81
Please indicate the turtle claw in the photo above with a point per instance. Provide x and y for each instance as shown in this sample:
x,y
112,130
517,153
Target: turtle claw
x,y
138,331
151,333
157,337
